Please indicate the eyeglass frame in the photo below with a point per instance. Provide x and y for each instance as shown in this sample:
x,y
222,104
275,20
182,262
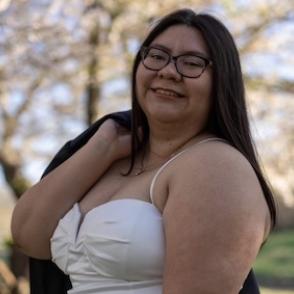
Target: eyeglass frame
x,y
144,50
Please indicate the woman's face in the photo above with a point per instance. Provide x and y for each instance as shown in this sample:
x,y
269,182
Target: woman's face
x,y
165,95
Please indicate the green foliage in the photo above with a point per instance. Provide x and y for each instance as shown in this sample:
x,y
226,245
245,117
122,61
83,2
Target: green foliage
x,y
20,185
275,291
8,242
275,263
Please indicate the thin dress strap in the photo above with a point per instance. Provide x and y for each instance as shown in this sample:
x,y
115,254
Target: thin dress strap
x,y
173,158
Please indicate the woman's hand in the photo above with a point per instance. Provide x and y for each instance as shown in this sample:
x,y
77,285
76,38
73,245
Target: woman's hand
x,y
116,138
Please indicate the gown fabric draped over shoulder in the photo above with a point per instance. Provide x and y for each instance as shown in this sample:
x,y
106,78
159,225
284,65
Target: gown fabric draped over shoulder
x,y
138,264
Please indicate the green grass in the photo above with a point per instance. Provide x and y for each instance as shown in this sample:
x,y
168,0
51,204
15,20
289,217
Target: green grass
x,y
274,266
276,291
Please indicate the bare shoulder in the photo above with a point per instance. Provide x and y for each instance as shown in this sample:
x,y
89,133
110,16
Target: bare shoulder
x,y
221,166
215,156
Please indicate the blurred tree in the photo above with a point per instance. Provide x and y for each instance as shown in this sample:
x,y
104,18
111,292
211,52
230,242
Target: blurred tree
x,y
59,62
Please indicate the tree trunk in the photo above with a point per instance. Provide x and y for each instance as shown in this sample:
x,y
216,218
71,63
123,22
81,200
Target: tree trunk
x,y
92,87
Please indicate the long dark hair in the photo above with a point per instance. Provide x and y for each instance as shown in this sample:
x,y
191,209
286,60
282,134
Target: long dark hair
x,y
228,117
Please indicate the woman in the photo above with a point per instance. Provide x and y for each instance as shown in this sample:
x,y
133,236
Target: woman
x,y
179,205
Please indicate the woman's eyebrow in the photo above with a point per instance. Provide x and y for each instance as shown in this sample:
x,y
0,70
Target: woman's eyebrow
x,y
188,52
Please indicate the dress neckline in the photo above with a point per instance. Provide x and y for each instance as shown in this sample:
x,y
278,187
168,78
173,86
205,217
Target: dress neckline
x,y
111,202
103,205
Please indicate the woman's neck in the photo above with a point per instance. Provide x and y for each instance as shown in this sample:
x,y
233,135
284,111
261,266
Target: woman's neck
x,y
160,149
166,144
167,136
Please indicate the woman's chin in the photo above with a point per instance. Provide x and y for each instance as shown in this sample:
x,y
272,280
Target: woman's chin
x,y
164,115
164,110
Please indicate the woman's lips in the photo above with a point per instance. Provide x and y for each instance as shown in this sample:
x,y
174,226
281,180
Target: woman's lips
x,y
166,92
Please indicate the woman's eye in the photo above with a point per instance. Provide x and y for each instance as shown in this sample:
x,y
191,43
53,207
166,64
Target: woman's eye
x,y
193,64
156,56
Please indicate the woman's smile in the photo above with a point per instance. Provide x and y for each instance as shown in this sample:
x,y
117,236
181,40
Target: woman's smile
x,y
166,92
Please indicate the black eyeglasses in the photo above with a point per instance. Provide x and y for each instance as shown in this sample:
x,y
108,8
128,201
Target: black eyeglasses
x,y
187,65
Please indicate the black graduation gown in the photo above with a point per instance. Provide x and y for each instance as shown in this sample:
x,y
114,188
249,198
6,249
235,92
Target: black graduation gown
x,y
45,276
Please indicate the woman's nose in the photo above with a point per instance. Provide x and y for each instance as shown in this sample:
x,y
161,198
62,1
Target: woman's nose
x,y
170,72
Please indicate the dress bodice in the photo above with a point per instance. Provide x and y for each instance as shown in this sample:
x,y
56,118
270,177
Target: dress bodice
x,y
118,247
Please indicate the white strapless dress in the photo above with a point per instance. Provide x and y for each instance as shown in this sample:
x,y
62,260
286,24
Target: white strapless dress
x,y
118,248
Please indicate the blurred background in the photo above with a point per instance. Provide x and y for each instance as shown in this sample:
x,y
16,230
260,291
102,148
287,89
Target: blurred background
x,y
63,64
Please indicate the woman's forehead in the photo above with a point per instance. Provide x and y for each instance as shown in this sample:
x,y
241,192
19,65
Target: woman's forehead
x,y
180,39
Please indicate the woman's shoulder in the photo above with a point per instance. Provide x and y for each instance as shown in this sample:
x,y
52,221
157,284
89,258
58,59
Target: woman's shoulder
x,y
215,153
218,169
211,159
216,161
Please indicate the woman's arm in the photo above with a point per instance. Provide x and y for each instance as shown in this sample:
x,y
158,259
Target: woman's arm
x,y
215,221
40,208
